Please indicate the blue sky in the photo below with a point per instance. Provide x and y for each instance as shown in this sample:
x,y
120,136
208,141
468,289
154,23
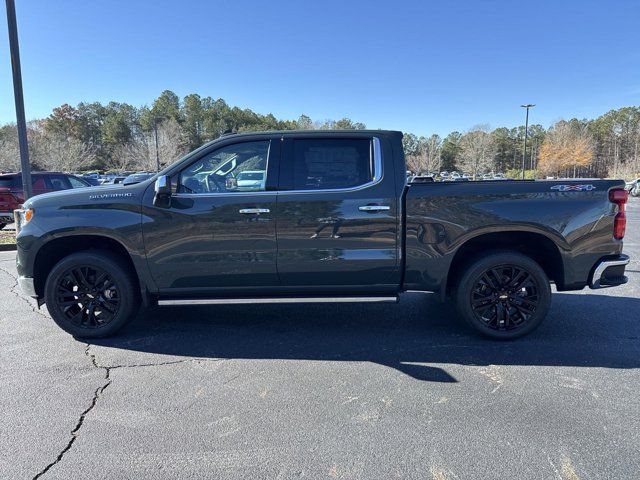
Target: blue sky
x,y
417,66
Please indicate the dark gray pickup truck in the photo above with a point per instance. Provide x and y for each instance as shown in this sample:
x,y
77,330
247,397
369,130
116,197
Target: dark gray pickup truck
x,y
317,217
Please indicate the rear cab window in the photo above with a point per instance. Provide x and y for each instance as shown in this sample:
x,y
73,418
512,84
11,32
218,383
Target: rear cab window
x,y
327,164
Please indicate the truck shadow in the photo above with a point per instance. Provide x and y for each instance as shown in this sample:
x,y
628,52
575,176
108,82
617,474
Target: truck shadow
x,y
418,337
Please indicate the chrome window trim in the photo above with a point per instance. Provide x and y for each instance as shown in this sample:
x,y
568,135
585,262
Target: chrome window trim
x,y
378,175
225,194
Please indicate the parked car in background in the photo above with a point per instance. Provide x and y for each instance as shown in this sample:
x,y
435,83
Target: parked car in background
x,y
421,179
636,189
137,178
250,180
631,185
12,194
114,180
94,182
95,175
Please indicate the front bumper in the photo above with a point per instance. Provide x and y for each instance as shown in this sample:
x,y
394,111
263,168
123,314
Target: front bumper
x,y
27,286
609,272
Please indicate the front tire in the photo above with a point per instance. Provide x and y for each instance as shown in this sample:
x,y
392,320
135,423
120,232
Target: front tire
x,y
503,295
91,294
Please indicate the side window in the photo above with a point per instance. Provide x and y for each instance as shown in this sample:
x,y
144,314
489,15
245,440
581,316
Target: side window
x,y
77,183
59,182
37,182
320,164
241,167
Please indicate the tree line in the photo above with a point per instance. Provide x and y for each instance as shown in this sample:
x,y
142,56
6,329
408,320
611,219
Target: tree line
x,y
608,145
122,137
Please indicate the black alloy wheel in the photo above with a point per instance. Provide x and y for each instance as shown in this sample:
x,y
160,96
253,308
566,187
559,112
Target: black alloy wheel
x,y
91,293
503,295
88,296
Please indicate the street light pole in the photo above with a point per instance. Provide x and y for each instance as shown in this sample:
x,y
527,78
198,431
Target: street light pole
x,y
526,132
155,134
19,100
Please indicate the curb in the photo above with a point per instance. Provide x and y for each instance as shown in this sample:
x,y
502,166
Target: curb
x,y
7,247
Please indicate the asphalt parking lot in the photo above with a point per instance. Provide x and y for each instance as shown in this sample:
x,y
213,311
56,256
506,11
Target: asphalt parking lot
x,y
325,391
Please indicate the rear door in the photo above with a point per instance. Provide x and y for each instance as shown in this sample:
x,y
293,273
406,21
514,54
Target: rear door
x,y
337,215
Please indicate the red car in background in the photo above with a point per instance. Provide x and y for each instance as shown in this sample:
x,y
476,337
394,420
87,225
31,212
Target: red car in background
x,y
12,195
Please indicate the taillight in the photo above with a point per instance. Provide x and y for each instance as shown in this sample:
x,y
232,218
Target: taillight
x,y
619,196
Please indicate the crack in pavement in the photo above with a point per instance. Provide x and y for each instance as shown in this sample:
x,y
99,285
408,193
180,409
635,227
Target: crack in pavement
x,y
76,431
13,290
107,377
94,362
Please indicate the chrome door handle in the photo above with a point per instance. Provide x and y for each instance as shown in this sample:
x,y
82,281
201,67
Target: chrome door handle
x,y
374,208
249,211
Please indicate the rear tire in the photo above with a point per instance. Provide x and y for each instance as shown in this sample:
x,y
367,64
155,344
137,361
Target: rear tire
x,y
91,294
503,295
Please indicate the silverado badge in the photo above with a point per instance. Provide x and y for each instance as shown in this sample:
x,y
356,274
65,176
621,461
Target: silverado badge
x,y
573,188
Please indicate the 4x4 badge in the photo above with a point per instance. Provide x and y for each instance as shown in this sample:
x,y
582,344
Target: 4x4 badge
x,y
573,188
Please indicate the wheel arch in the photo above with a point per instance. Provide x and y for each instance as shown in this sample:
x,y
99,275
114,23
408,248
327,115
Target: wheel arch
x,y
537,246
54,250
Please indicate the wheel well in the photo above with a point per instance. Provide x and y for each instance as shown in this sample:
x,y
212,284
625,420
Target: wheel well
x,y
534,245
55,250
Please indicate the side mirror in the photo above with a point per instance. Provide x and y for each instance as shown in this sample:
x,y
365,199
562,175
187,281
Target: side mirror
x,y
162,187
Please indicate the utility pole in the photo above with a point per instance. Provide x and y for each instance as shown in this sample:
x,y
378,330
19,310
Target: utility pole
x,y
526,132
17,93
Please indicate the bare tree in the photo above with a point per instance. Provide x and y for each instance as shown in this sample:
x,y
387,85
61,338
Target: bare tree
x,y
9,151
477,151
60,153
430,150
140,153
125,158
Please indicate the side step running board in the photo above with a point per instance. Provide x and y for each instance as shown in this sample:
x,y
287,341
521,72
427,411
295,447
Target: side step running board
x,y
233,301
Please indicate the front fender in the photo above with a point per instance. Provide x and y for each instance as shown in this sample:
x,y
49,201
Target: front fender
x,y
117,222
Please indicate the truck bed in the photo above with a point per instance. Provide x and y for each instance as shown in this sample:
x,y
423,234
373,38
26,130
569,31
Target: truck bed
x,y
567,222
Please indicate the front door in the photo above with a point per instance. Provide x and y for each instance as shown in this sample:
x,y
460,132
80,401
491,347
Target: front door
x,y
219,232
337,215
